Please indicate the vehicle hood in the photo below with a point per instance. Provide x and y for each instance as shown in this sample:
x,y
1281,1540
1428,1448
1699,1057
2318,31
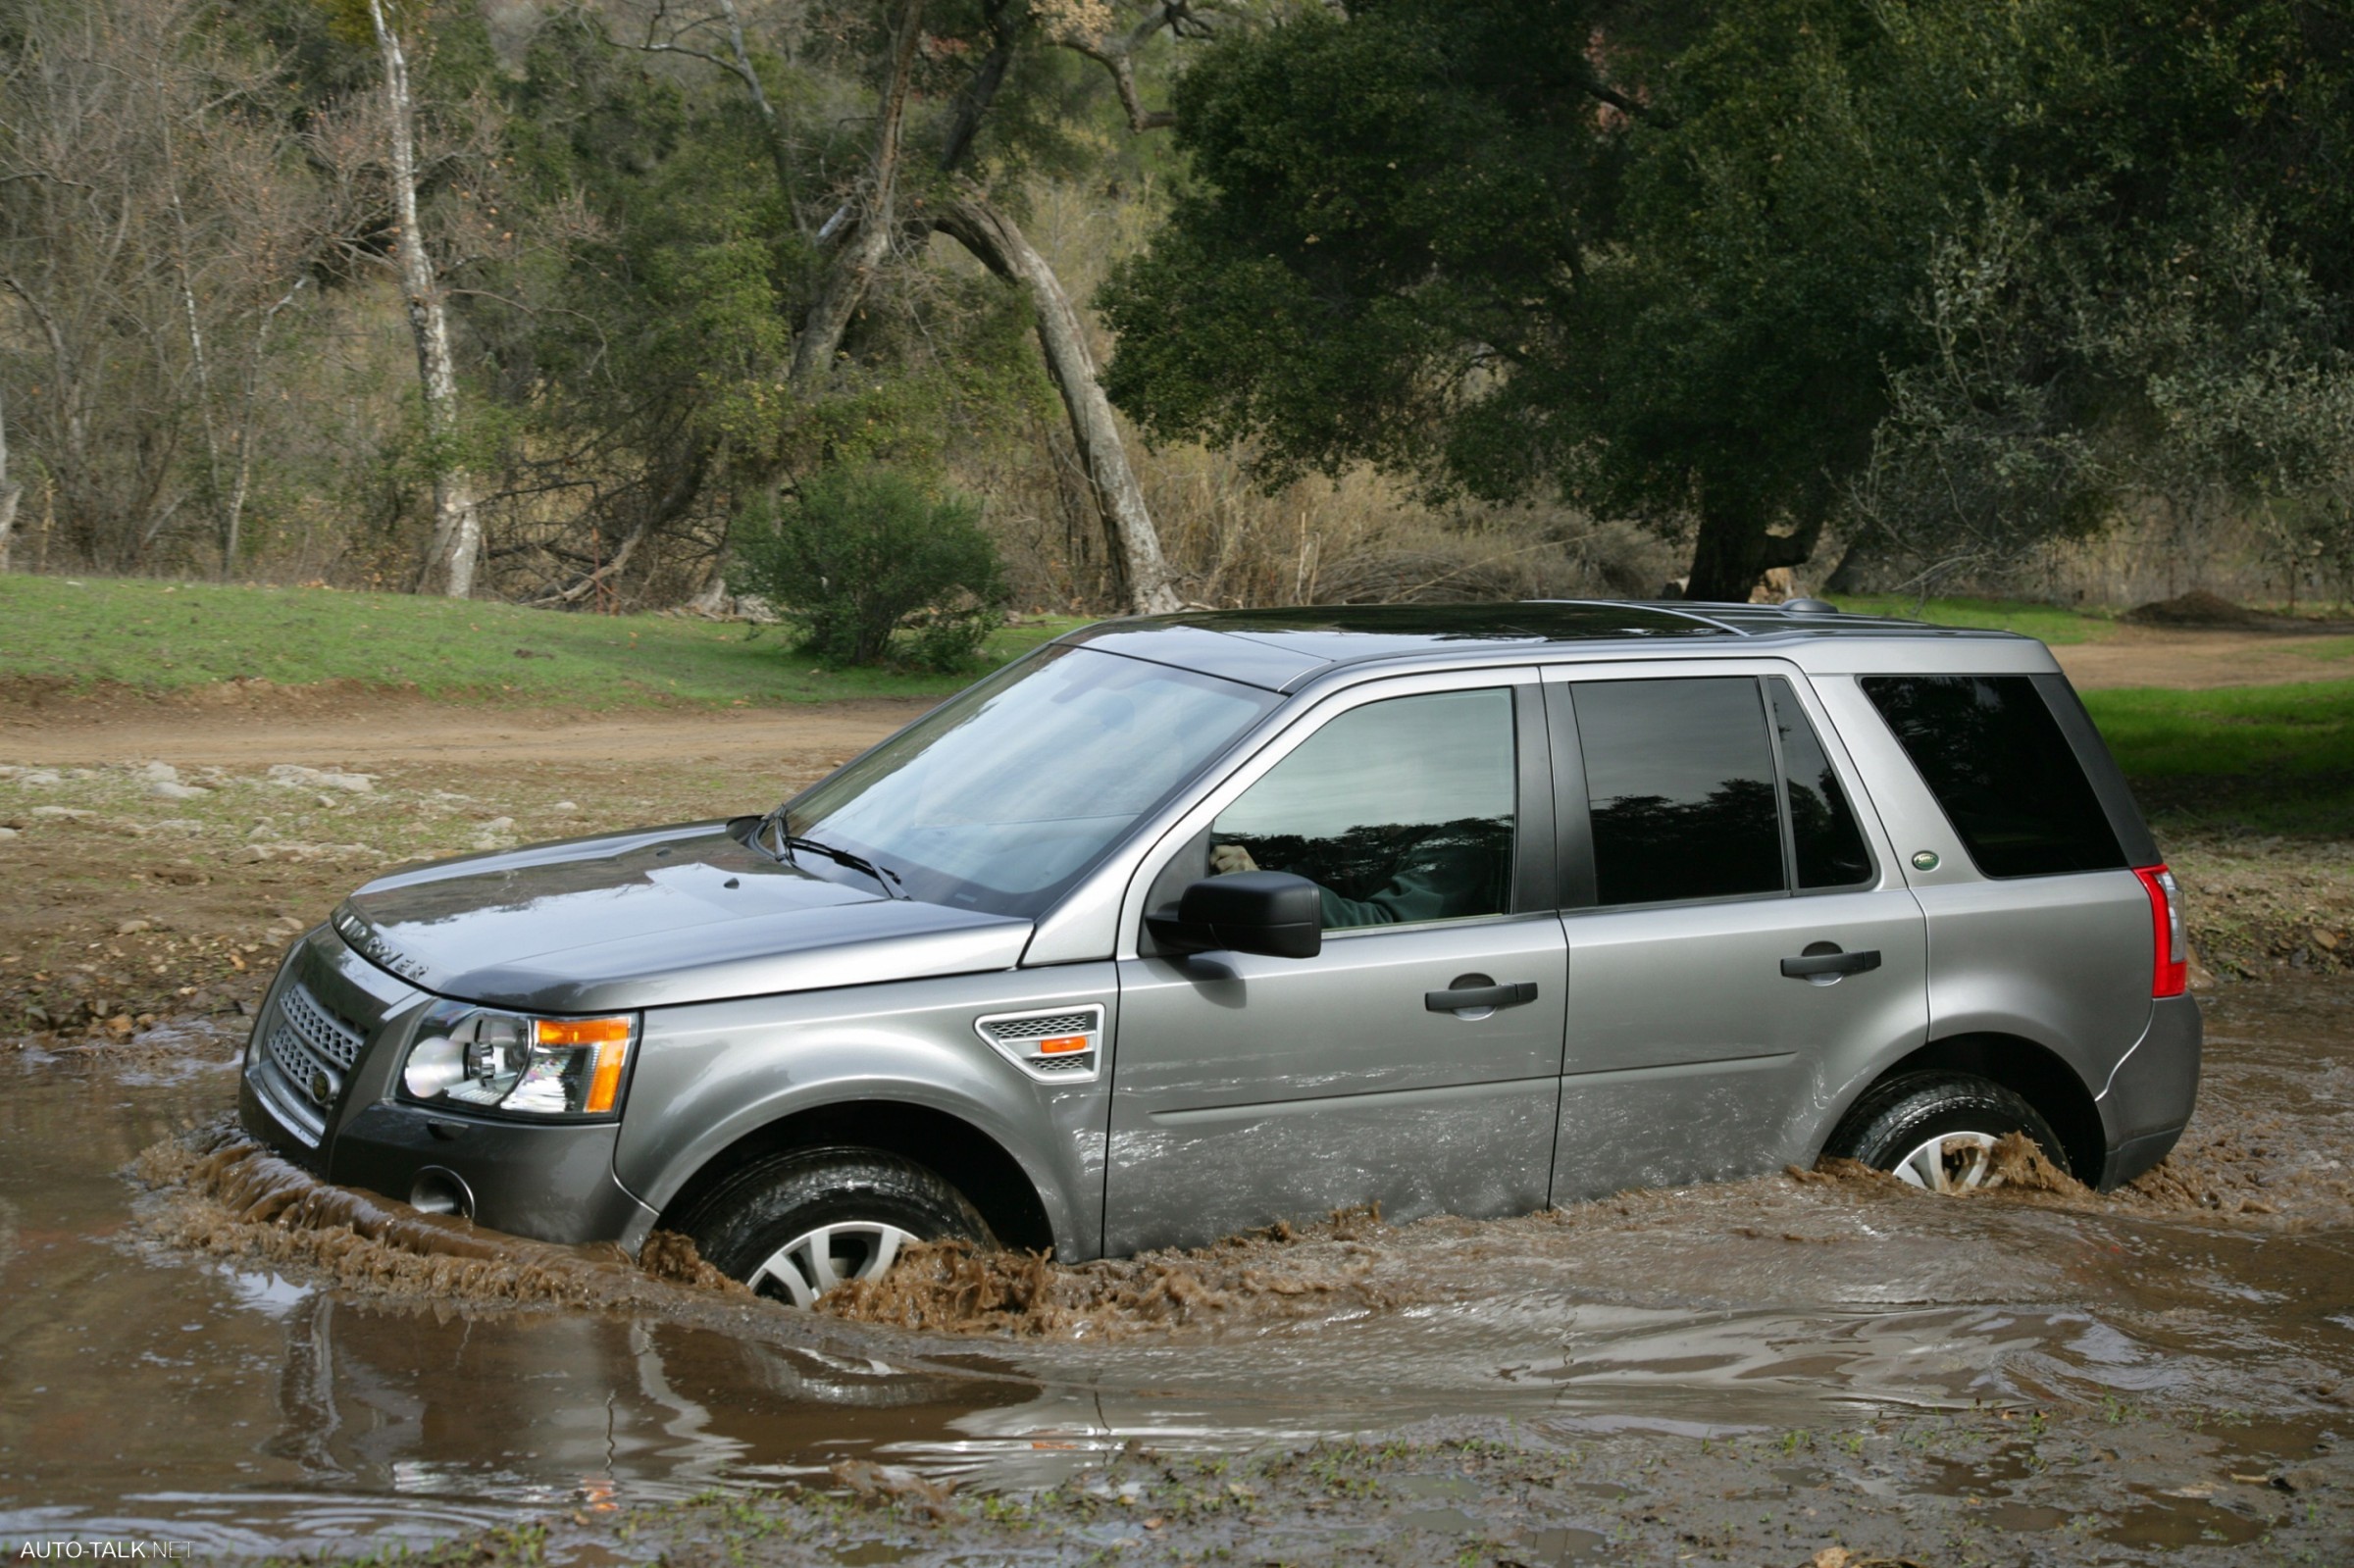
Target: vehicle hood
x,y
654,919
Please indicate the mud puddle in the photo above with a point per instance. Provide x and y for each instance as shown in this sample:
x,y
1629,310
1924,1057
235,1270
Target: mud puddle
x,y
185,1367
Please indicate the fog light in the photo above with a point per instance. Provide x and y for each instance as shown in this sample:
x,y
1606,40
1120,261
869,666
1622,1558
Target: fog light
x,y
441,1191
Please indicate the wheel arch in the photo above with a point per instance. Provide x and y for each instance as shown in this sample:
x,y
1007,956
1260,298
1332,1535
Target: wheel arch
x,y
961,1154
2035,1073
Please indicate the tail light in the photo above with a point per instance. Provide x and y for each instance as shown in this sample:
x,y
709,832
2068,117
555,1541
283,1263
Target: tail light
x,y
2169,968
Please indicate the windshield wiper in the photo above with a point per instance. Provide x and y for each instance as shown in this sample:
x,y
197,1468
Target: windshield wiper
x,y
883,875
788,842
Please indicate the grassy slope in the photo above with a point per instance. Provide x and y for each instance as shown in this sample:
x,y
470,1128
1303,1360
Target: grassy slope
x,y
159,635
2275,758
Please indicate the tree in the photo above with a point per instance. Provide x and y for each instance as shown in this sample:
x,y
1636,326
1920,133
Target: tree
x,y
1674,264
879,218
456,542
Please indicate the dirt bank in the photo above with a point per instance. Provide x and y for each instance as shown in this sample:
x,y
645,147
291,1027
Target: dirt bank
x,y
2198,660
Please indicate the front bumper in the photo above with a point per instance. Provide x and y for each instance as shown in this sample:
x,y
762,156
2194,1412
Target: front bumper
x,y
318,1088
2148,1098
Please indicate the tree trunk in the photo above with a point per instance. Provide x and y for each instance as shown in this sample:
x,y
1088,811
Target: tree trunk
x,y
10,492
457,539
862,250
1733,551
1141,570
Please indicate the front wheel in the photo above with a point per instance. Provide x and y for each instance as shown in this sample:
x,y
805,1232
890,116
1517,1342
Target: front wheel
x,y
1938,1130
798,1225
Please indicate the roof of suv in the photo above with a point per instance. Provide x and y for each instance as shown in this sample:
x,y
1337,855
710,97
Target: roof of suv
x,y
1280,648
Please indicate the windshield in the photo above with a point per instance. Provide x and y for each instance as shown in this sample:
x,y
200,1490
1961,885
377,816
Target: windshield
x,y
1004,795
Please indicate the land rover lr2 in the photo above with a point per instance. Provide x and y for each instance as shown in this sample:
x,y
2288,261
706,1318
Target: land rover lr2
x,y
1185,925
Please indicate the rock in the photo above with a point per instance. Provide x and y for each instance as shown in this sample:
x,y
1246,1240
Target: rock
x,y
159,773
294,776
40,779
325,800
178,824
172,790
563,805
261,829
133,926
62,813
250,854
498,825
2301,1478
487,842
7,833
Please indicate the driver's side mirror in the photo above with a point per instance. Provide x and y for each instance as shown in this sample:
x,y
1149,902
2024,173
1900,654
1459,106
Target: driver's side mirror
x,y
1268,912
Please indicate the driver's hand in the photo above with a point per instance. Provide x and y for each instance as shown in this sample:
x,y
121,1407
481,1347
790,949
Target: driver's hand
x,y
1228,858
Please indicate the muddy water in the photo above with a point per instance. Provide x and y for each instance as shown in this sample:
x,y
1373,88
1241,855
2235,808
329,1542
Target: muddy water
x,y
173,1376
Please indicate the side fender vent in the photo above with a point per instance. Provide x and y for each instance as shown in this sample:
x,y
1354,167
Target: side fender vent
x,y
1062,1046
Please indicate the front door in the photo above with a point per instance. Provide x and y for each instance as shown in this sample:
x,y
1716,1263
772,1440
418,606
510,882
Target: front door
x,y
1250,1089
1740,946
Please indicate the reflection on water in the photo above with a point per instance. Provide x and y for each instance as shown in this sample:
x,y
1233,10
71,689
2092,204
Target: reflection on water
x,y
151,1394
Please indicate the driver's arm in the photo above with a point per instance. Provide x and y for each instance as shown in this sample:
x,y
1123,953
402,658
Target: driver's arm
x,y
1415,894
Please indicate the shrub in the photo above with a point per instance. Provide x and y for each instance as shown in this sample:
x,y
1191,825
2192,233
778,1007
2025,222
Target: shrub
x,y
861,554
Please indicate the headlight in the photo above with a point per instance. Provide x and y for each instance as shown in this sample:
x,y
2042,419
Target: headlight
x,y
476,1058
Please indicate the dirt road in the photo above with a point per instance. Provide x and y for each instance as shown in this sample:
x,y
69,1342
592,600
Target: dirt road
x,y
257,725
363,729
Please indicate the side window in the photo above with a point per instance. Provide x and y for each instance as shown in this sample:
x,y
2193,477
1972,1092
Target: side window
x,y
1680,786
1827,844
1993,756
1402,811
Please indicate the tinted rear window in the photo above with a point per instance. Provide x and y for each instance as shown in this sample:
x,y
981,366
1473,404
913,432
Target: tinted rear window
x,y
1679,778
1992,754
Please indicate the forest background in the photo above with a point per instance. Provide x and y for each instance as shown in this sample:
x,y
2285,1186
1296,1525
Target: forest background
x,y
576,302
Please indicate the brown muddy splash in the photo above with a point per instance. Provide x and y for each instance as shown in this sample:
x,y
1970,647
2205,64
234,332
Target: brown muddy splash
x,y
2239,1171
1281,1272
220,1193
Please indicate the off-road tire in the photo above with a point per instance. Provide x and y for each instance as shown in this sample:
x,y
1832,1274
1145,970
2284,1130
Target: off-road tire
x,y
1901,1115
744,1223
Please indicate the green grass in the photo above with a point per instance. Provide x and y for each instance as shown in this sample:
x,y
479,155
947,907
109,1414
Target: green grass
x,y
157,636
2276,758
2047,622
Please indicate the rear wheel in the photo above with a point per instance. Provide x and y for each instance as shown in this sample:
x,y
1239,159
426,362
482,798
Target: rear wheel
x,y
1938,1130
798,1225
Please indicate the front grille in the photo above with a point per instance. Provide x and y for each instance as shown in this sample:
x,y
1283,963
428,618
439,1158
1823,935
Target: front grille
x,y
327,1037
303,1048
1013,1029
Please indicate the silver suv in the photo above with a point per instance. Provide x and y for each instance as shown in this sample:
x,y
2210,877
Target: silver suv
x,y
1187,924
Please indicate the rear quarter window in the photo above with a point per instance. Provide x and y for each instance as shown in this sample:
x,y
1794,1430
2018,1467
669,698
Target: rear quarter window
x,y
1991,752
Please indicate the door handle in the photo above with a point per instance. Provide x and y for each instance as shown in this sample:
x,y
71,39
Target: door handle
x,y
1462,998
1831,963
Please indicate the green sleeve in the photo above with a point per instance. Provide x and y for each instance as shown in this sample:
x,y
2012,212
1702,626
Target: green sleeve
x,y
1411,895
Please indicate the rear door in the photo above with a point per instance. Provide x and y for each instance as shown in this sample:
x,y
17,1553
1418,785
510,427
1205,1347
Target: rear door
x,y
1740,942
1250,1089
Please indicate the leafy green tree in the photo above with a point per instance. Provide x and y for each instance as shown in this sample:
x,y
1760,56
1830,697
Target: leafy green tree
x,y
1677,263
862,554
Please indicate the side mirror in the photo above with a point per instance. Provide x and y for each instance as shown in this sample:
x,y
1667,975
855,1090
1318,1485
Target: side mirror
x,y
1268,912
